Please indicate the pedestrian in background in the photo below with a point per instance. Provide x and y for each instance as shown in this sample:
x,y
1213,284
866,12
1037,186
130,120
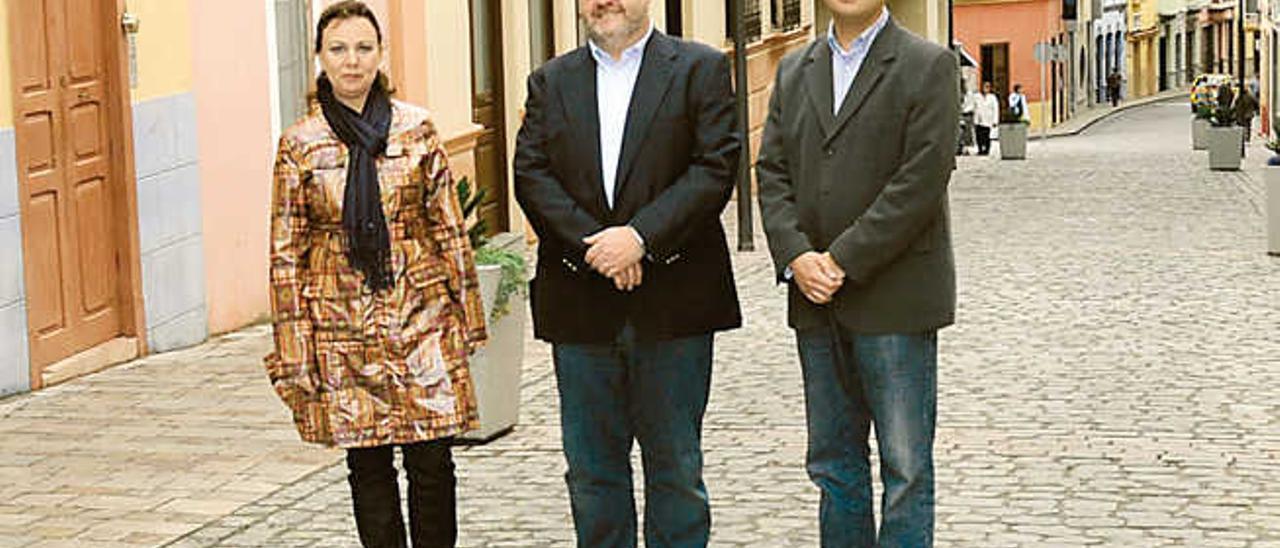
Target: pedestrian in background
x,y
626,157
1113,87
1245,108
373,289
858,149
986,117
1018,104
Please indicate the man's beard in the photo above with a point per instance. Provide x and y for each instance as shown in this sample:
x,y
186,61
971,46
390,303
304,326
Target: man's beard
x,y
631,26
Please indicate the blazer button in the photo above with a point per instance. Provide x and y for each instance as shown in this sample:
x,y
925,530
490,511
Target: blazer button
x,y
830,152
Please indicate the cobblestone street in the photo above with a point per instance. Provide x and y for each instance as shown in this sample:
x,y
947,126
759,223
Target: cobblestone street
x,y
1113,380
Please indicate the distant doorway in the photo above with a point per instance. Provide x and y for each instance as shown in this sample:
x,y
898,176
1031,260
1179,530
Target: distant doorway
x,y
995,67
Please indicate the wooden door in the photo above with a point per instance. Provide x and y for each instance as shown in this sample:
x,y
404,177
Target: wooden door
x,y
489,111
995,69
71,206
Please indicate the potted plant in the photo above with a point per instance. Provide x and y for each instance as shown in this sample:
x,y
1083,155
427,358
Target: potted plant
x,y
1226,141
1271,178
496,367
1200,127
1013,136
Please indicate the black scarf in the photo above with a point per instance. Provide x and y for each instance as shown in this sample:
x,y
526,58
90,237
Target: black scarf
x,y
365,134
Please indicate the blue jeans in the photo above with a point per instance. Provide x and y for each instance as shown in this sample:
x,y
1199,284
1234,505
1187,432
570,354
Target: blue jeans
x,y
889,381
654,392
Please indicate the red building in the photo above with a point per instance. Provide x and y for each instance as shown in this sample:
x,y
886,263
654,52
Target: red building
x,y
1002,36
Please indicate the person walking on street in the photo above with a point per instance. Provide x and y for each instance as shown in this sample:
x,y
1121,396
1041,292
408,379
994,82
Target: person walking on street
x,y
626,157
857,153
986,117
374,295
1113,87
1018,104
1246,107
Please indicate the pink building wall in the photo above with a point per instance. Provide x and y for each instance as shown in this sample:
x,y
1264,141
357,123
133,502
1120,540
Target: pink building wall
x,y
233,109
1020,23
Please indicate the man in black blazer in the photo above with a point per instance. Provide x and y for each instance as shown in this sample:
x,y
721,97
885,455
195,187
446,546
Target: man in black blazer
x,y
857,152
623,164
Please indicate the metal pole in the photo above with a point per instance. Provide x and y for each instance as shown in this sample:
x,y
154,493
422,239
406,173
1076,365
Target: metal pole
x,y
1240,36
1044,100
746,227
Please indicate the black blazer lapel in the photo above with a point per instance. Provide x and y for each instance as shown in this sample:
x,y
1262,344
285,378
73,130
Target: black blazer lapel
x,y
879,57
651,88
819,83
582,105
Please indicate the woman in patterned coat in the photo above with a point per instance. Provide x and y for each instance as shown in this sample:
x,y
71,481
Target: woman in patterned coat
x,y
373,288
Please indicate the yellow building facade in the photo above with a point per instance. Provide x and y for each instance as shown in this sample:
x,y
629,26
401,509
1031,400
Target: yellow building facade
x,y
1144,31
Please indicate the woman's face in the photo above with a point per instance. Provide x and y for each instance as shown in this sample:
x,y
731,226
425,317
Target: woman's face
x,y
350,55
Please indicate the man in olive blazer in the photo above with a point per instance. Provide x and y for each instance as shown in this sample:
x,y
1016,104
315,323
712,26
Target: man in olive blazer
x,y
857,153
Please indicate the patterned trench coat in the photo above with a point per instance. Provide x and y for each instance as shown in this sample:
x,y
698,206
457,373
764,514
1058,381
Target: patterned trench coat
x,y
360,369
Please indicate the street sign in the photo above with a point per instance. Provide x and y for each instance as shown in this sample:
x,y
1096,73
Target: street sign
x,y
1046,52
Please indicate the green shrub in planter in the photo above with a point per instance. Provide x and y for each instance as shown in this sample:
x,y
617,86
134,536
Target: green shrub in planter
x,y
514,268
1223,117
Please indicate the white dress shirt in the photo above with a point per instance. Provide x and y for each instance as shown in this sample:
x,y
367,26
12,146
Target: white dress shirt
x,y
845,64
988,112
615,82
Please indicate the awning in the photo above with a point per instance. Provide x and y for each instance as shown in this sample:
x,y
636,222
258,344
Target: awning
x,y
966,60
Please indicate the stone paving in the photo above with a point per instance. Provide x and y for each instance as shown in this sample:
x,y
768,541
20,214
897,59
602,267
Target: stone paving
x,y
1114,380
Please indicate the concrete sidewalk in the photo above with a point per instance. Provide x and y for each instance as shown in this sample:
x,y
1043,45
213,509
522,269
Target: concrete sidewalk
x,y
1084,119
147,452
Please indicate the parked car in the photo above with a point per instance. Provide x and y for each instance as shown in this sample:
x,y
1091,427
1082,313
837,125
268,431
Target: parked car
x,y
1205,88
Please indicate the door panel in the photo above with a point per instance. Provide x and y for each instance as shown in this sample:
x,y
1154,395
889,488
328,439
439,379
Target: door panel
x,y
42,230
69,183
32,66
93,204
84,39
86,128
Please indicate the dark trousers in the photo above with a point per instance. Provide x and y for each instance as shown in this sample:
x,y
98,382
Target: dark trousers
x,y
375,494
653,392
984,139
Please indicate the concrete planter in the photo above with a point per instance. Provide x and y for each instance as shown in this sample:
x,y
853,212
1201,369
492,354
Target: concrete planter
x,y
1271,178
496,367
1199,134
1224,148
1013,141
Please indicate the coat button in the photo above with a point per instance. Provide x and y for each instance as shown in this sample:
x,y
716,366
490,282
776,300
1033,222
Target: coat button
x,y
830,152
